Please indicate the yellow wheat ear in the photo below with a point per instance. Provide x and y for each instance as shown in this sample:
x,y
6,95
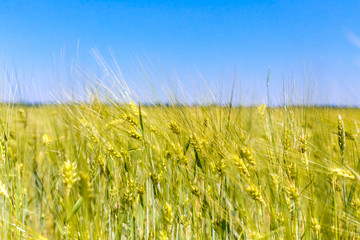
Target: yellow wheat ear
x,y
69,174
239,163
247,154
342,173
130,119
134,109
135,134
168,214
293,193
255,194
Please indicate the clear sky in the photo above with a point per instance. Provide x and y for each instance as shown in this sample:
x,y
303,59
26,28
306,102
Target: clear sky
x,y
315,40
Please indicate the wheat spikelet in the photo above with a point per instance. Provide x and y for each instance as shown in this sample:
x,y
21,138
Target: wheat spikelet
x,y
174,127
221,166
69,174
247,154
276,181
255,194
302,143
179,152
342,173
135,134
134,109
168,214
154,130
127,196
293,193
130,119
112,150
286,139
195,143
101,162
341,134
195,190
239,163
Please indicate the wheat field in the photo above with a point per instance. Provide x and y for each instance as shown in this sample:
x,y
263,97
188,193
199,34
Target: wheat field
x,y
133,171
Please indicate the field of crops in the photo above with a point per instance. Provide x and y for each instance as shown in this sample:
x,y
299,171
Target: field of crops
x,y
126,170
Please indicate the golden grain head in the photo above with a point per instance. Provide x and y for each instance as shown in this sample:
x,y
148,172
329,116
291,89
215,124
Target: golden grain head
x,y
342,173
255,194
134,109
293,193
69,174
130,119
135,134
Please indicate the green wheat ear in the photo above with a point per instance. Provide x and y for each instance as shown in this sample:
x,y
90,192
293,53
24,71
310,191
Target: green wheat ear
x,y
341,134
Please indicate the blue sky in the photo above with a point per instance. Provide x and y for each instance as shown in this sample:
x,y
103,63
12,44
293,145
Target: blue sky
x,y
315,40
